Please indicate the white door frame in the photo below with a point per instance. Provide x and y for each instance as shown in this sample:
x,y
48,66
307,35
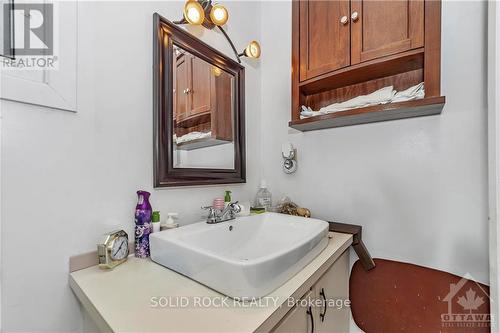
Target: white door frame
x,y
494,155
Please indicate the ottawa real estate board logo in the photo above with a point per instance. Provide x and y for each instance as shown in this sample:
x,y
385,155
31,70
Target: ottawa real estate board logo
x,y
28,36
468,305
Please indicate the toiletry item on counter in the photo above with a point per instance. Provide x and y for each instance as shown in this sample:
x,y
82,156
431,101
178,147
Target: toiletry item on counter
x,y
170,224
287,206
155,220
143,227
304,212
255,210
245,209
227,198
263,199
218,203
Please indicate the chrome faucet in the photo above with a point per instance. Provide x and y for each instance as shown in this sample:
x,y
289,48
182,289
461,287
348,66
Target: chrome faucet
x,y
228,213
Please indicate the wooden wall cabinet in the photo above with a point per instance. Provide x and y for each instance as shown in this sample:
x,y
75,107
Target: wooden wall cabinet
x,y
180,84
202,101
324,47
195,87
382,28
345,48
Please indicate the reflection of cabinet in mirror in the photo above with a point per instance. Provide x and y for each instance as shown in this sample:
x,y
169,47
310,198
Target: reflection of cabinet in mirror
x,y
199,111
202,101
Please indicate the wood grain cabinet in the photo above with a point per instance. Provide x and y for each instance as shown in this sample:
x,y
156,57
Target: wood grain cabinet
x,y
342,49
336,34
327,315
202,100
195,87
324,45
382,28
202,88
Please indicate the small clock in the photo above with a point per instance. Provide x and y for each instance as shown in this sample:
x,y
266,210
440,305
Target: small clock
x,y
114,249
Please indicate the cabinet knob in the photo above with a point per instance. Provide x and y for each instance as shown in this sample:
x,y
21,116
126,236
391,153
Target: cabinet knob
x,y
344,20
354,16
188,91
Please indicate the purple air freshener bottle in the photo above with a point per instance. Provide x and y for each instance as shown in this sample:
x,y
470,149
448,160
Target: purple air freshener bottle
x,y
143,225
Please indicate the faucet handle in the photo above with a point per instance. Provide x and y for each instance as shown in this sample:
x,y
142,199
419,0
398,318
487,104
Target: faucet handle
x,y
212,216
235,207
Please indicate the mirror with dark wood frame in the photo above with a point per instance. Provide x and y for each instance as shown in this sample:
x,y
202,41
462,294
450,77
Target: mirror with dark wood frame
x,y
198,101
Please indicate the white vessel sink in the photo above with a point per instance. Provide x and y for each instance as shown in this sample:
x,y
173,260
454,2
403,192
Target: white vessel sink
x,y
246,257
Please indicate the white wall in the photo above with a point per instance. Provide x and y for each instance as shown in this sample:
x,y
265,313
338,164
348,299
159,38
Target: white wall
x,y
69,177
494,153
418,186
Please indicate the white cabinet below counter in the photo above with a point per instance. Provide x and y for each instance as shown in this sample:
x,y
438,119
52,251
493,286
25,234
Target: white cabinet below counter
x,y
325,308
142,296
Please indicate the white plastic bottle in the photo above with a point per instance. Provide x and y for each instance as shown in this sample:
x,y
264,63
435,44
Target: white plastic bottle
x,y
170,224
263,199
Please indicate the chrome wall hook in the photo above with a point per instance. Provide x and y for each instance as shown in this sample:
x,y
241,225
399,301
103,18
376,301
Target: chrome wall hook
x,y
289,158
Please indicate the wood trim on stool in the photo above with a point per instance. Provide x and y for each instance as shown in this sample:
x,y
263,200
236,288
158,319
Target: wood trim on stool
x,y
357,242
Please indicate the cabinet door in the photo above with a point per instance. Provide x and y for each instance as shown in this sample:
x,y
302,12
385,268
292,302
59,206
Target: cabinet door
x,y
222,113
297,320
380,28
202,86
324,39
333,287
181,85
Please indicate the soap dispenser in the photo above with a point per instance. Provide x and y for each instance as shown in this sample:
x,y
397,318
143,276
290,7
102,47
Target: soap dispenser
x,y
227,198
156,221
170,224
263,198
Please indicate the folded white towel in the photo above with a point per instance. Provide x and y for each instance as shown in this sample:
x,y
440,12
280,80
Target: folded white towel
x,y
415,92
307,111
381,96
192,136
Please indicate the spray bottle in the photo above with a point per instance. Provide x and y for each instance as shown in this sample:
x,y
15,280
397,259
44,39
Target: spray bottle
x,y
143,225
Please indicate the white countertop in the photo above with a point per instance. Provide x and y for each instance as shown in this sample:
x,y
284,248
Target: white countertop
x,y
120,300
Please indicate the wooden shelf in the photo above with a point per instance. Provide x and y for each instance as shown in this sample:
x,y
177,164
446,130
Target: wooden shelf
x,y
194,119
200,143
365,71
400,110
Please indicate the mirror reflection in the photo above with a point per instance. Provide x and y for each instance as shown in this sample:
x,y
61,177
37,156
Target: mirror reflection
x,y
203,113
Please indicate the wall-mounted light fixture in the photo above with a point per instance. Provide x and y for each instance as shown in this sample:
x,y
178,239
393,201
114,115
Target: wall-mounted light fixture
x,y
203,12
194,13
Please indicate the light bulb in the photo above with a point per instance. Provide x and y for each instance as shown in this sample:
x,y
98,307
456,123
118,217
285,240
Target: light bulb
x,y
219,15
193,12
252,50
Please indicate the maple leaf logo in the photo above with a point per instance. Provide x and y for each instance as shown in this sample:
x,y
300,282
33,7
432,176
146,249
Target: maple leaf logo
x,y
470,301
